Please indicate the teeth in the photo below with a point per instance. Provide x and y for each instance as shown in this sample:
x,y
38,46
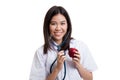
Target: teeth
x,y
57,33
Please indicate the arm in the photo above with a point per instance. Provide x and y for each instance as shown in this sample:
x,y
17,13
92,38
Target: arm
x,y
53,75
85,74
56,70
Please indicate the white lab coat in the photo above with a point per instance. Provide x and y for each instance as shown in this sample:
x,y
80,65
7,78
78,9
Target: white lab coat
x,y
42,62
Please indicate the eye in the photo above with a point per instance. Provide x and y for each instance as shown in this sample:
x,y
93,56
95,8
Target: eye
x,y
63,23
52,23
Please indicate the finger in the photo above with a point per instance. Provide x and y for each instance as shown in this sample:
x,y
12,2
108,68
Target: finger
x,y
77,52
61,59
75,59
60,54
77,56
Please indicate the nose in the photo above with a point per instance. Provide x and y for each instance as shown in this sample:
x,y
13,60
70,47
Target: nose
x,y
58,27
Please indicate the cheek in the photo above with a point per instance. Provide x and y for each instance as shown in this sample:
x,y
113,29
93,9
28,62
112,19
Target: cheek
x,y
65,28
51,28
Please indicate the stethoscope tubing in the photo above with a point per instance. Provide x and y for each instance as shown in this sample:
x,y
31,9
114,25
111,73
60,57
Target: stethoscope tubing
x,y
64,67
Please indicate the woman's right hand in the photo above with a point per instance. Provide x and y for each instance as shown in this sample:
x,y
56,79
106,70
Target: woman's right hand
x,y
60,60
56,70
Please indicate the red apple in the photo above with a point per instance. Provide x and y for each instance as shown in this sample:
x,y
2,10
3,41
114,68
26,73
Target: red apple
x,y
72,52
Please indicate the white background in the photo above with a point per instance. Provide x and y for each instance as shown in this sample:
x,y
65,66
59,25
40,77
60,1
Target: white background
x,y
96,22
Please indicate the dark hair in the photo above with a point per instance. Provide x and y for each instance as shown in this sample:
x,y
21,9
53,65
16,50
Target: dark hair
x,y
52,12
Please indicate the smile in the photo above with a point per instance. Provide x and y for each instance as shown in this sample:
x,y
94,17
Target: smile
x,y
58,33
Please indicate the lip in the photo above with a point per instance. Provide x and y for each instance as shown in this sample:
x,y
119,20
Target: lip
x,y
58,33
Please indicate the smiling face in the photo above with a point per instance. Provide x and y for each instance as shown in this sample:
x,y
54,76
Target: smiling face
x,y
58,27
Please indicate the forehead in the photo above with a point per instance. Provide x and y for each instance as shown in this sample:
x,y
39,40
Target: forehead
x,y
58,17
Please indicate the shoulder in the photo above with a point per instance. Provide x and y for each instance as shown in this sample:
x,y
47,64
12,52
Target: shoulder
x,y
77,42
39,51
39,54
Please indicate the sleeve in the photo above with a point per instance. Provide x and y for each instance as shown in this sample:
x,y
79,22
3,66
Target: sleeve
x,y
88,61
38,71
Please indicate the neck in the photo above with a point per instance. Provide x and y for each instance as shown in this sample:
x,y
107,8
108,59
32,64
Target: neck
x,y
58,42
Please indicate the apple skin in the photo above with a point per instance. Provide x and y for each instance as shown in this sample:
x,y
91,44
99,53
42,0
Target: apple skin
x,y
72,52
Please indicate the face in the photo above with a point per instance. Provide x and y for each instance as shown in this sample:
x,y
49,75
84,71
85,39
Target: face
x,y
58,27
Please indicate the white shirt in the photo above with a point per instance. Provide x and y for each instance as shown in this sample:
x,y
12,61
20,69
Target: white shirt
x,y
42,62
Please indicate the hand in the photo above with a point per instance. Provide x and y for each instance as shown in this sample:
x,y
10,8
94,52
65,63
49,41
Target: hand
x,y
60,60
76,59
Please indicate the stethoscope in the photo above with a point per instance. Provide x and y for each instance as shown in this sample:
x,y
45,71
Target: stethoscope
x,y
58,49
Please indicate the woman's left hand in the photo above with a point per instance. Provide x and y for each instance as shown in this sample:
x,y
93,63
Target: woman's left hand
x,y
76,59
85,74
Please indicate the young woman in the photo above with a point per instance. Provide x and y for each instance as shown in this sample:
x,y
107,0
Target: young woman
x,y
52,60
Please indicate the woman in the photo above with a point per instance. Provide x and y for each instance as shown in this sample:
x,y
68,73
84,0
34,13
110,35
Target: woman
x,y
52,60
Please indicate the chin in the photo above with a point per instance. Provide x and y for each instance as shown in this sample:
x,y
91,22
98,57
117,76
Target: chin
x,y
57,38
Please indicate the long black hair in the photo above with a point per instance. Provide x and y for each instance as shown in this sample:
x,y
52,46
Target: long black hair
x,y
46,31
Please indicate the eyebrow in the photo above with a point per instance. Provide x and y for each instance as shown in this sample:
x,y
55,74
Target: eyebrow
x,y
60,21
63,21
